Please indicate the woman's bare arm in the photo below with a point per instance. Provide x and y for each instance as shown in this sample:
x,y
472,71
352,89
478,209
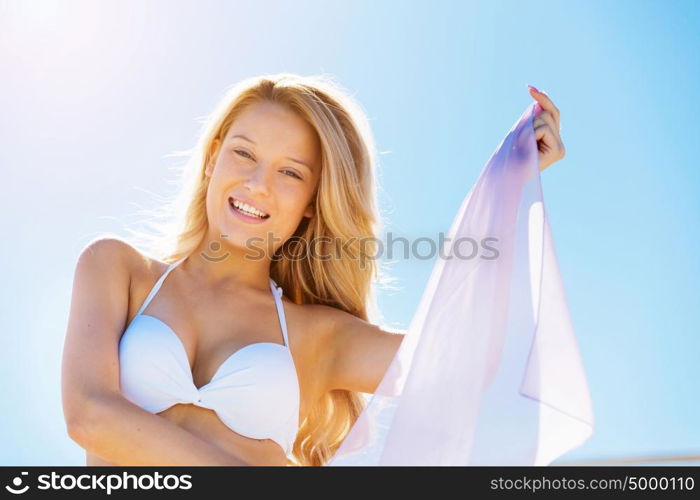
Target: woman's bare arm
x,y
97,416
358,353
124,434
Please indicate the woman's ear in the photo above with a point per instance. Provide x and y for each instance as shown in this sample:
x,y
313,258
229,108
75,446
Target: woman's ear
x,y
309,212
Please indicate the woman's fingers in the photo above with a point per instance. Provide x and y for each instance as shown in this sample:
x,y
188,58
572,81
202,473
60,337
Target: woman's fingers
x,y
547,124
546,103
549,144
542,135
545,117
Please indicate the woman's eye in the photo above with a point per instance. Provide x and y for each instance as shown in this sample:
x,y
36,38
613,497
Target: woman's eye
x,y
294,174
291,173
241,153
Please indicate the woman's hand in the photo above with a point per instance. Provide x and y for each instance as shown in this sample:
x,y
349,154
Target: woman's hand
x,y
547,125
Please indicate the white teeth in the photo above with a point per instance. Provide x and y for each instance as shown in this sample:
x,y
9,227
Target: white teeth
x,y
248,209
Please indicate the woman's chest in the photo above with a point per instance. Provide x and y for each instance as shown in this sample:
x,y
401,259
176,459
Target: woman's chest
x,y
216,334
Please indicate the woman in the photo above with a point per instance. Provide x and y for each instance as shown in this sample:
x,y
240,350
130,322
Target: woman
x,y
255,348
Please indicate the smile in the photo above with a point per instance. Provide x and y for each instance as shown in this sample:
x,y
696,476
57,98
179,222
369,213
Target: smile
x,y
246,211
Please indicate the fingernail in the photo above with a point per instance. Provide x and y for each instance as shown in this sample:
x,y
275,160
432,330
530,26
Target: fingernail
x,y
532,87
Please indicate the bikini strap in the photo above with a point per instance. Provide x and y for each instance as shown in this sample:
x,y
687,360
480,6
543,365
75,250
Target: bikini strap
x,y
277,293
158,284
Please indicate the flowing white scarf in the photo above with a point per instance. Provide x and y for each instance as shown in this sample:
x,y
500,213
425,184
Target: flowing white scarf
x,y
489,371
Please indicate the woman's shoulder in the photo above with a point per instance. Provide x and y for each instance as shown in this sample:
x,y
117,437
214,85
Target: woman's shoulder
x,y
309,330
316,319
117,252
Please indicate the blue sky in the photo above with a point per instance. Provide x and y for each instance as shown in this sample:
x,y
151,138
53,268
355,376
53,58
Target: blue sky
x,y
95,95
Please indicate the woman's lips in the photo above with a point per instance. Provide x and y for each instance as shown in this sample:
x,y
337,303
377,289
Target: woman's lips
x,y
251,219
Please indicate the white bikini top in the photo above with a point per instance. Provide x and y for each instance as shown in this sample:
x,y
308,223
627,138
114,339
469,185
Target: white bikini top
x,y
255,391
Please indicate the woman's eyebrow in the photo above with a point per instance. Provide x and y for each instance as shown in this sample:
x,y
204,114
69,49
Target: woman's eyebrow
x,y
241,136
301,163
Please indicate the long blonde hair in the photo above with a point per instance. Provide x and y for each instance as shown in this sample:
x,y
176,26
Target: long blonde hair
x,y
345,211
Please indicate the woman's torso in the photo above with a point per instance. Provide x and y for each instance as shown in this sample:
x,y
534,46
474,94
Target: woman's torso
x,y
197,315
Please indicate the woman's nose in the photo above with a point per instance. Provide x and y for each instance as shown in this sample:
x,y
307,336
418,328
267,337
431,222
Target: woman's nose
x,y
257,181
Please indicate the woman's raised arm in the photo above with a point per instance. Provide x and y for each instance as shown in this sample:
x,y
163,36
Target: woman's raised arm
x,y
359,352
489,371
97,416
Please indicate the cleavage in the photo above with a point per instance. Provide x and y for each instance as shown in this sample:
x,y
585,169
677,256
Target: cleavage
x,y
200,342
219,350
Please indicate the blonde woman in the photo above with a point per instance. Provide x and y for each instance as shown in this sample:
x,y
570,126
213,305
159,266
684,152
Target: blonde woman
x,y
233,340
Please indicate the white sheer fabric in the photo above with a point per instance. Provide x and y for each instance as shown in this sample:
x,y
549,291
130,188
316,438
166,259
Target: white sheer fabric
x,y
489,371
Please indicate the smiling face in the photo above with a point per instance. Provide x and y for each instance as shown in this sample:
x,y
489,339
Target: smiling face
x,y
269,160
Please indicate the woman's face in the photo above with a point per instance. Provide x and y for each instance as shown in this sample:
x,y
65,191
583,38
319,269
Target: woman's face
x,y
270,159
